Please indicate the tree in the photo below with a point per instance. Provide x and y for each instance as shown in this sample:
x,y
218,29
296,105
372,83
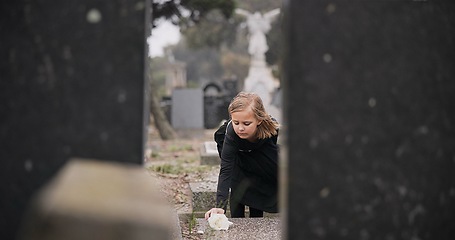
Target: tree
x,y
189,12
165,130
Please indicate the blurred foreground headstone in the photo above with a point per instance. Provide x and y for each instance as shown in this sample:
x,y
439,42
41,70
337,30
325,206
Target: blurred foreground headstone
x,y
71,85
369,120
94,200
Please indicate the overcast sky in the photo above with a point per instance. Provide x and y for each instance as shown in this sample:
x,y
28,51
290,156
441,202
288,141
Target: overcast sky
x,y
164,34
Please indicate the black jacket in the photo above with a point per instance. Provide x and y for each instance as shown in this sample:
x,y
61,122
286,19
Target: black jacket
x,y
250,170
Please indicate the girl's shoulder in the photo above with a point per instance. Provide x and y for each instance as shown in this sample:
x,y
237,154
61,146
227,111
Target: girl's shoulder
x,y
225,130
230,133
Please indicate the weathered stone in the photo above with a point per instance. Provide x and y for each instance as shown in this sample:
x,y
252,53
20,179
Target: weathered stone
x,y
72,84
369,120
99,200
209,154
243,229
187,110
203,195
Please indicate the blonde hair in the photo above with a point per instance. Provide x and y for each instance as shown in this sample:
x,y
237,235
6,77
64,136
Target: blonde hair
x,y
243,100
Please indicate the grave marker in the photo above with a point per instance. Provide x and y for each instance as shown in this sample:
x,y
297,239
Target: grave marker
x,y
369,121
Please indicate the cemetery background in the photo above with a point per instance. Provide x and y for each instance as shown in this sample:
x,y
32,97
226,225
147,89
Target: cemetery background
x,y
385,172
372,133
176,163
213,56
178,78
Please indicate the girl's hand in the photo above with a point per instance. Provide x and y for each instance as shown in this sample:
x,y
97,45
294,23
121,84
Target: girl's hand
x,y
213,210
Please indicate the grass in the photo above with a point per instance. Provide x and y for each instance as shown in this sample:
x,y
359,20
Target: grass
x,y
180,147
180,167
191,222
177,158
166,169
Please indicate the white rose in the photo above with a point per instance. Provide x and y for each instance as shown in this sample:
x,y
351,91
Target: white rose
x,y
219,221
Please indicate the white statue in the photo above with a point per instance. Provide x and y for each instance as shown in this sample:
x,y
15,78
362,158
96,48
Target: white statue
x,y
260,78
258,25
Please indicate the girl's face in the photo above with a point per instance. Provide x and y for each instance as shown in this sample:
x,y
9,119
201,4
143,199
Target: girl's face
x,y
245,124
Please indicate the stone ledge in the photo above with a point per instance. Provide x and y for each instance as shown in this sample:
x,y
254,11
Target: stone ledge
x,y
209,154
243,229
203,195
101,200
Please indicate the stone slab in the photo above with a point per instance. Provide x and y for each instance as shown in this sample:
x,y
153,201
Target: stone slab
x,y
243,229
99,200
187,111
72,84
204,198
209,153
203,195
369,109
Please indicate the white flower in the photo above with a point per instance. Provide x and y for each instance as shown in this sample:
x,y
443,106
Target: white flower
x,y
219,221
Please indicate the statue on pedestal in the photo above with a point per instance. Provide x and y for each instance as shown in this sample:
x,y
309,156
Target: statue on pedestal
x,y
260,79
258,25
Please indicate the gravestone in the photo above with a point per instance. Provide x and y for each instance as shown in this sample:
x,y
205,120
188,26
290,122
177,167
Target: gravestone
x,y
213,102
92,200
230,87
72,85
369,117
175,76
203,195
216,101
187,110
243,229
209,154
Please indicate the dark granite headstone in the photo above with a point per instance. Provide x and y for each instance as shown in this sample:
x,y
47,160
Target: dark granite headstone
x,y
369,110
212,103
71,85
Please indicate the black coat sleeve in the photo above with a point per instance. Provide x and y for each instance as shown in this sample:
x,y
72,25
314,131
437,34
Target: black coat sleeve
x,y
228,158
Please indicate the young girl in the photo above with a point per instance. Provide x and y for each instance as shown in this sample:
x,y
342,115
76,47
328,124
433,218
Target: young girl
x,y
247,145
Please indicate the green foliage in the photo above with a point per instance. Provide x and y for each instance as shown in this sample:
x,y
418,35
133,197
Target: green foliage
x,y
202,7
167,169
179,168
213,31
201,64
259,5
192,222
235,65
177,158
189,11
180,147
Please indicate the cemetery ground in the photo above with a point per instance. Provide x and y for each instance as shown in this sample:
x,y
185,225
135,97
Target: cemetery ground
x,y
175,163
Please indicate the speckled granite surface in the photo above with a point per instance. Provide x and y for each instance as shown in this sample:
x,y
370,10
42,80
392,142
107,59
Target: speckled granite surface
x,y
243,228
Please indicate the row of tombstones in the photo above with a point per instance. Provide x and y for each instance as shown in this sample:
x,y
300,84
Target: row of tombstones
x,y
199,108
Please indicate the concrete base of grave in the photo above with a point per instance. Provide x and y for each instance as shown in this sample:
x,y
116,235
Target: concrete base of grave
x,y
243,229
94,200
209,154
203,198
203,195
